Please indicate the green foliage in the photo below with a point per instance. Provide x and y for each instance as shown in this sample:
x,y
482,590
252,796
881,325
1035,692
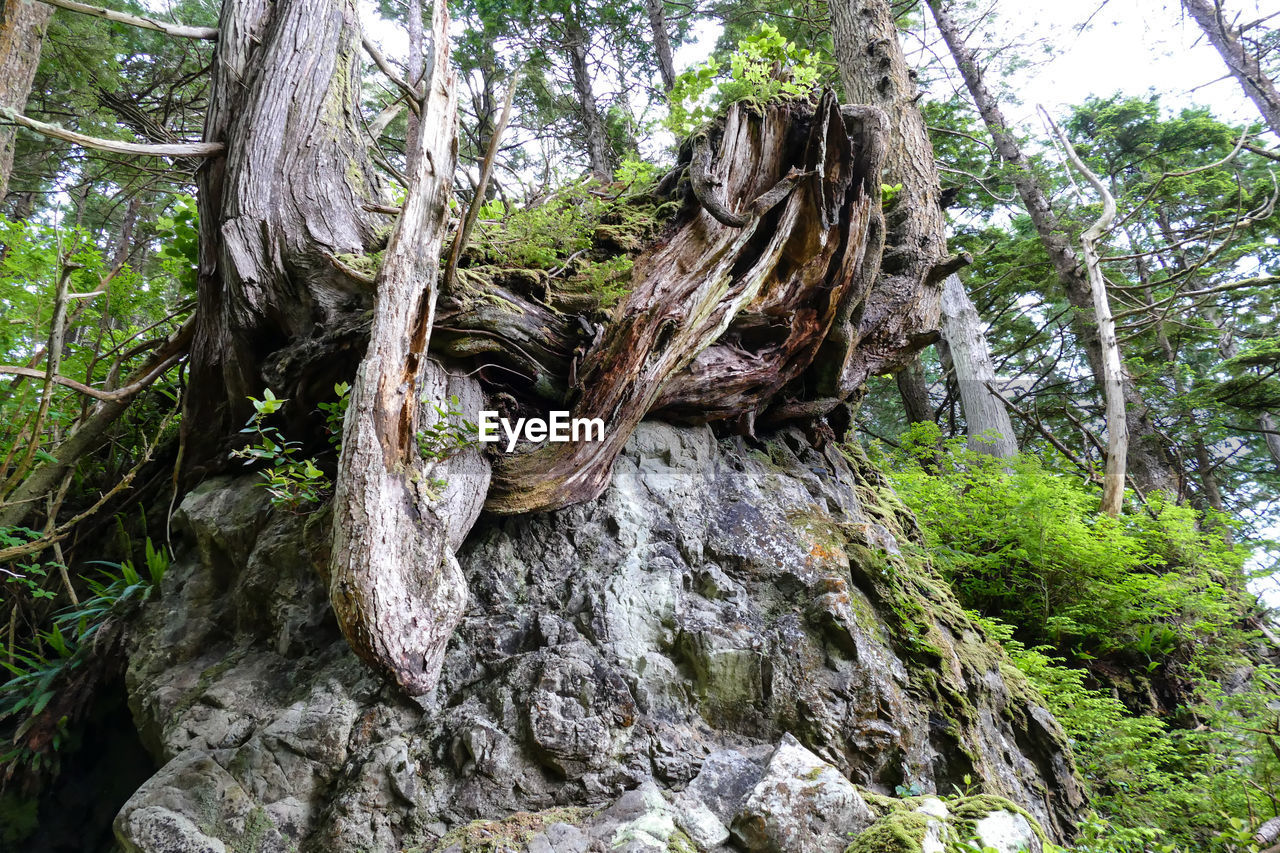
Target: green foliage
x,y
336,412
637,174
766,68
37,672
609,279
539,236
1100,614
290,480
179,233
449,434
1026,545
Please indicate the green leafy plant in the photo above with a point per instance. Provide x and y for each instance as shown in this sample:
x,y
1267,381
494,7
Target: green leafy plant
x,y
291,481
449,434
766,68
336,412
37,671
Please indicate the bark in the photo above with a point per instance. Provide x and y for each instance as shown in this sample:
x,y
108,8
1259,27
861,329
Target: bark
x,y
1149,462
985,416
722,319
913,387
599,152
1271,432
142,22
661,43
287,196
22,27
395,585
1243,64
874,71
1113,371
414,73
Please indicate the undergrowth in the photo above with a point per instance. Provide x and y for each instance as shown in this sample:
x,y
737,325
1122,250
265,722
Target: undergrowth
x,y
1136,632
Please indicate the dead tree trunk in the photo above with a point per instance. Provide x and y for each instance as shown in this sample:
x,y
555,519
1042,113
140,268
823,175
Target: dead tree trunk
x,y
22,26
396,587
1150,460
985,416
1243,64
725,320
1113,370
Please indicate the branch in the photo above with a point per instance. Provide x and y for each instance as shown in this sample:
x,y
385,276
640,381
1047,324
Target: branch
x,y
111,146
477,198
704,185
415,97
178,30
88,390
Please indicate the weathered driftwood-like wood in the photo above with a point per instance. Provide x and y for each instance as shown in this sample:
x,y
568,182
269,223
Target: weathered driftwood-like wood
x,y
396,588
782,278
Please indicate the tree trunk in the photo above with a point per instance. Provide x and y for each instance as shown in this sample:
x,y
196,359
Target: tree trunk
x,y
395,584
913,388
599,153
985,416
22,26
1113,369
1149,464
413,72
283,201
874,71
662,43
1243,64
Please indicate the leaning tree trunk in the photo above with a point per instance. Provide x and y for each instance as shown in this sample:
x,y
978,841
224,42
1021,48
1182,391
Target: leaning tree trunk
x,y
985,417
22,26
1149,458
662,43
1243,64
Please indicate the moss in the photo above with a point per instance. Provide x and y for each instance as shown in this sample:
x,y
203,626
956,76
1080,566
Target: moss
x,y
365,264
967,811
680,843
900,831
510,833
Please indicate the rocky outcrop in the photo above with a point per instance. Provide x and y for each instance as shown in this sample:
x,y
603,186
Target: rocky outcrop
x,y
714,652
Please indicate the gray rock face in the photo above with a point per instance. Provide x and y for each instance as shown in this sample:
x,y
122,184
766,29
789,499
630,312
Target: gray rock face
x,y
800,805
667,635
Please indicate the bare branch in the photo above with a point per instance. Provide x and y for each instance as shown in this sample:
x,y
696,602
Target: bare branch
x,y
178,30
415,97
112,146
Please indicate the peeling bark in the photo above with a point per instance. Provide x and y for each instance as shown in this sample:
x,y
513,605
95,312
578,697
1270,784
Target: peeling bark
x,y
396,588
288,194
901,312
